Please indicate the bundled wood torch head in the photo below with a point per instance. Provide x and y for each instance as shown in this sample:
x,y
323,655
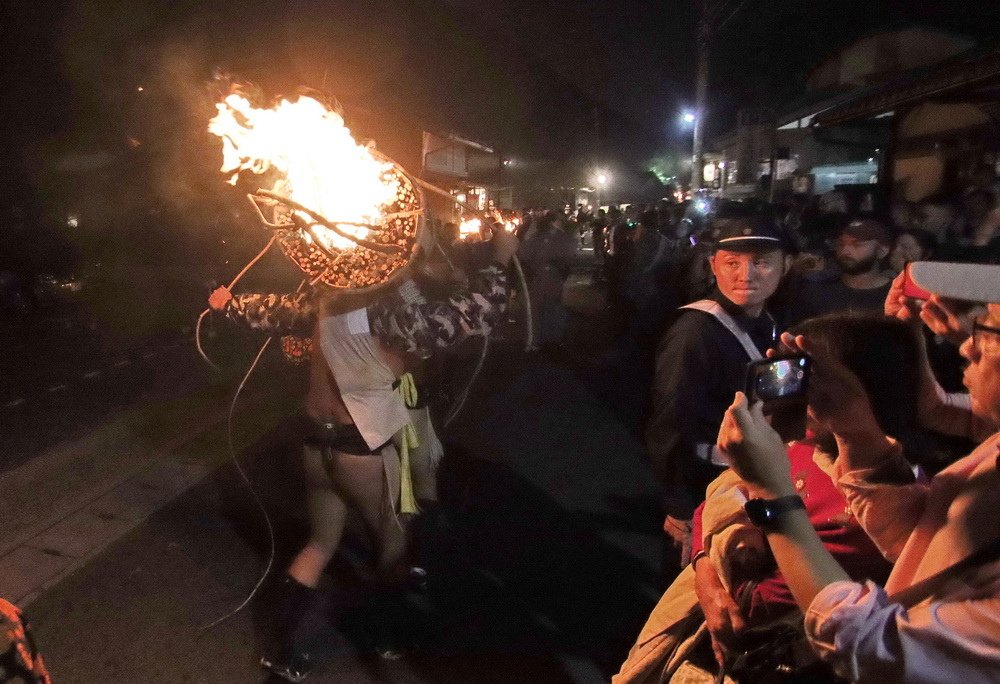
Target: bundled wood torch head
x,y
346,215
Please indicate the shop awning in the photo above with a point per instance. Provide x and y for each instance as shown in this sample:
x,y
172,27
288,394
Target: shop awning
x,y
971,75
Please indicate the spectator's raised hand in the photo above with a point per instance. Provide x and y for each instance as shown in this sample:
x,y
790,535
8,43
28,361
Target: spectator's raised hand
x,y
837,399
755,450
943,317
898,305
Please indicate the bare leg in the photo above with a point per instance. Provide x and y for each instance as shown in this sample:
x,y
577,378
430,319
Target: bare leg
x,y
327,512
302,609
361,481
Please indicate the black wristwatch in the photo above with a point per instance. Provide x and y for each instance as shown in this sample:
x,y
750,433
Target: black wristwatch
x,y
764,513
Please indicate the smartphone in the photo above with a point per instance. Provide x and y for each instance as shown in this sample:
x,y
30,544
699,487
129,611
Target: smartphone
x,y
911,289
779,380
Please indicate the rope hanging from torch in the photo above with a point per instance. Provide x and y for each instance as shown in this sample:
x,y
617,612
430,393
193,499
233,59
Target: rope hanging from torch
x,y
232,284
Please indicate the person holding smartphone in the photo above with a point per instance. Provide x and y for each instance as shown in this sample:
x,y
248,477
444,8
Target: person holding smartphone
x,y
732,575
936,619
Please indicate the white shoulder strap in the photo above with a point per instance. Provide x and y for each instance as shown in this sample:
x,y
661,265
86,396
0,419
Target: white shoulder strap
x,y
715,310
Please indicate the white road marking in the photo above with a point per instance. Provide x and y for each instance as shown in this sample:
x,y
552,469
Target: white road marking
x,y
56,388
12,404
92,374
149,355
122,363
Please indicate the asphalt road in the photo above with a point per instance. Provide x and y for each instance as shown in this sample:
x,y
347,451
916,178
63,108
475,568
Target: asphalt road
x,y
60,377
544,556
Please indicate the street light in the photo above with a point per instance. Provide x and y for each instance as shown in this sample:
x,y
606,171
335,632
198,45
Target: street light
x,y
603,179
688,118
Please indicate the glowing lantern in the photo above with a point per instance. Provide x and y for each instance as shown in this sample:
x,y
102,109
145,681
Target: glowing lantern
x,y
470,228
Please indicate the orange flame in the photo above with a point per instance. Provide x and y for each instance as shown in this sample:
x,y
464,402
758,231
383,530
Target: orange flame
x,y
318,162
469,228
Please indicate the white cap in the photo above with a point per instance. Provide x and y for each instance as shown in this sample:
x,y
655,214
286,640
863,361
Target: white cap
x,y
969,282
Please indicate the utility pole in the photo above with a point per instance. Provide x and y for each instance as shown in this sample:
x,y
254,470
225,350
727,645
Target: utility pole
x,y
701,97
715,15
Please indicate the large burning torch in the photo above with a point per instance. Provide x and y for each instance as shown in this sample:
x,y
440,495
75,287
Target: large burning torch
x,y
346,214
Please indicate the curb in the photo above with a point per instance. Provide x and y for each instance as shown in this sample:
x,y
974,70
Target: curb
x,y
47,551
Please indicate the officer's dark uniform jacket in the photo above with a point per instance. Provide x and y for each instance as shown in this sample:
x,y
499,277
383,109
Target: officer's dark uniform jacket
x,y
700,366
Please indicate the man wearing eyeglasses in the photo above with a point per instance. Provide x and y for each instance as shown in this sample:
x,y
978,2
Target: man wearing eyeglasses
x,y
938,617
981,347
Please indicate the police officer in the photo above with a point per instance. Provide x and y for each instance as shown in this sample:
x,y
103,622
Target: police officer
x,y
701,362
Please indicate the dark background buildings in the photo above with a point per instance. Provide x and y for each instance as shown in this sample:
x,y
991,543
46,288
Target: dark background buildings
x,y
105,104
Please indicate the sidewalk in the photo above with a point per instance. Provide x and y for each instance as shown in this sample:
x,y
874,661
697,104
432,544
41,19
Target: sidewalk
x,y
65,506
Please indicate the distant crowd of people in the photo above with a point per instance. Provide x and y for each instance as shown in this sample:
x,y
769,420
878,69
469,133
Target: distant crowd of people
x,y
655,251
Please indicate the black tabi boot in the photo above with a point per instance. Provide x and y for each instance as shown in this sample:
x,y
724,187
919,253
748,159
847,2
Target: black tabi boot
x,y
389,622
301,617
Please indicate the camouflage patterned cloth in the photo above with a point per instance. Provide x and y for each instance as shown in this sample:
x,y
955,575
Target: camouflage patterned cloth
x,y
420,328
284,314
19,659
416,327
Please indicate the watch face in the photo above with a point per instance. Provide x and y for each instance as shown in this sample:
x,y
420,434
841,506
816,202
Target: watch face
x,y
765,512
759,512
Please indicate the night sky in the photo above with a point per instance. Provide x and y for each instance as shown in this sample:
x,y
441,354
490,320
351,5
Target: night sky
x,y
549,80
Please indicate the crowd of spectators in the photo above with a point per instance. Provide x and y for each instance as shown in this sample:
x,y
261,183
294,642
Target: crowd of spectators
x,y
782,529
706,287
656,251
859,481
871,488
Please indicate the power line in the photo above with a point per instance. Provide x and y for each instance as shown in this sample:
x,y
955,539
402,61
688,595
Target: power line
x,y
732,14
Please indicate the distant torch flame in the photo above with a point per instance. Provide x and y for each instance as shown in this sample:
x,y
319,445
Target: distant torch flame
x,y
318,163
469,228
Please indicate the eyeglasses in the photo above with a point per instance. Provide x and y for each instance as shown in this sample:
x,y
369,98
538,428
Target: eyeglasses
x,y
977,337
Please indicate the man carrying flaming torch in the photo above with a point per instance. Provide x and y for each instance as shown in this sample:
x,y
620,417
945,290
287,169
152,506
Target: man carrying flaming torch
x,y
363,340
